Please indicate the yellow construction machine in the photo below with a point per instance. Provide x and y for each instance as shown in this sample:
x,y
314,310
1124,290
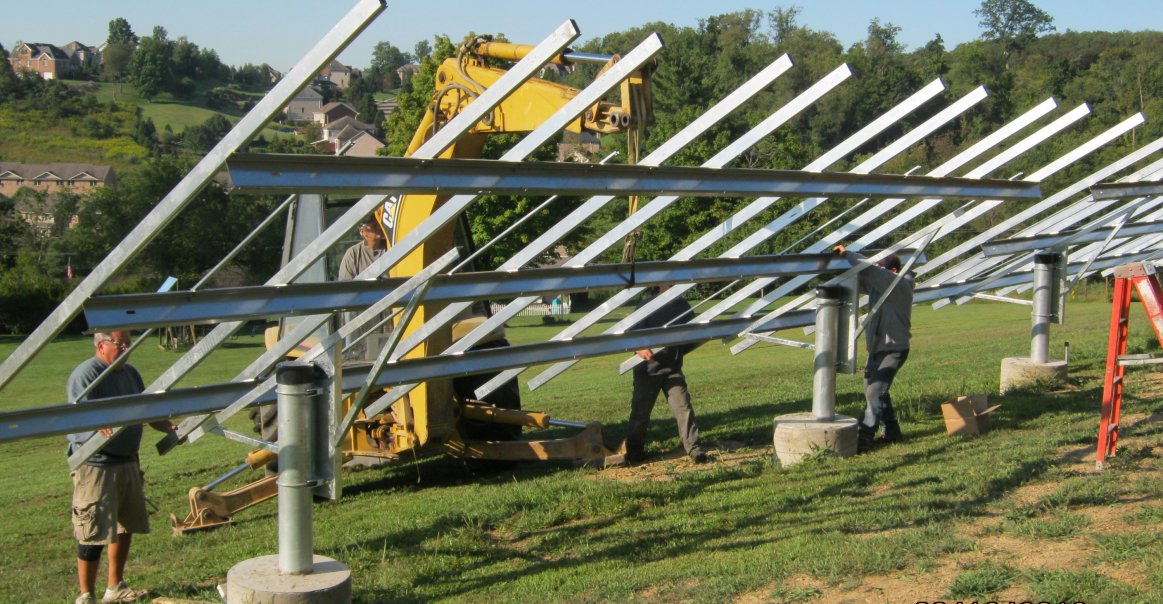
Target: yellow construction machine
x,y
441,416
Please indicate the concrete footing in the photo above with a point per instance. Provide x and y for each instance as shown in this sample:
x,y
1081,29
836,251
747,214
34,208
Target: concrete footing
x,y
800,434
1023,371
258,581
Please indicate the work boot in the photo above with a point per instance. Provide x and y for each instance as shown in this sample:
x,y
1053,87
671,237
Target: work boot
x,y
699,456
123,593
892,434
635,456
864,440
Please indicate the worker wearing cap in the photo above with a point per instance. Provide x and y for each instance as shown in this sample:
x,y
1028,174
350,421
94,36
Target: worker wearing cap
x,y
108,499
887,340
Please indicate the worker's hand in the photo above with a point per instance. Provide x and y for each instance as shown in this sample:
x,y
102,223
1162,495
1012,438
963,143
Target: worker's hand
x,y
106,432
164,426
839,249
645,353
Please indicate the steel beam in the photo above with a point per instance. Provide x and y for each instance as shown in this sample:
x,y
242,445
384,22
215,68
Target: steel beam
x,y
119,411
1057,241
139,311
283,173
1103,191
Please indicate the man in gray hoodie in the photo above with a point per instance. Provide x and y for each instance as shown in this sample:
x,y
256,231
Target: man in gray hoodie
x,y
887,340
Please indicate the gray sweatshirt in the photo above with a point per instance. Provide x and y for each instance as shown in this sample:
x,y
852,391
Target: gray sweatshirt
x,y
890,327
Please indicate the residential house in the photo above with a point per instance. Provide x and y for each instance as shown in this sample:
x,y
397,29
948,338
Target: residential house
x,y
349,136
52,178
406,71
337,73
45,60
578,147
334,111
273,75
360,143
82,58
302,108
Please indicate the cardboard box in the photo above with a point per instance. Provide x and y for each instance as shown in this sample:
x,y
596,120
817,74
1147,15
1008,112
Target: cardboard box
x,y
968,414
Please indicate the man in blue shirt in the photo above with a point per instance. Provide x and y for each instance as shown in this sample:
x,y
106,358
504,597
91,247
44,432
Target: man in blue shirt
x,y
108,499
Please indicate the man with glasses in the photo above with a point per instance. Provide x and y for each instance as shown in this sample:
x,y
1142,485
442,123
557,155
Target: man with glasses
x,y
108,499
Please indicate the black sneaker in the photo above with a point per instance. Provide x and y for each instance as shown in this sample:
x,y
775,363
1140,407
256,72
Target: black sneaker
x,y
700,456
635,456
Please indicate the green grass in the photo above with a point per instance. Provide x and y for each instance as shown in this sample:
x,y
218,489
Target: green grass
x,y
165,110
34,137
438,529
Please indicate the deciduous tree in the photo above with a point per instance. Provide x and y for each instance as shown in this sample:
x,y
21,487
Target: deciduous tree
x,y
1013,23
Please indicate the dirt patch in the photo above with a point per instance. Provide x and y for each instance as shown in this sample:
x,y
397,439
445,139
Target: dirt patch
x,y
663,467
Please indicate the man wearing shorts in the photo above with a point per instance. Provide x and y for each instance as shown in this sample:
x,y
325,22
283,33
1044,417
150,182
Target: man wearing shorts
x,y
108,500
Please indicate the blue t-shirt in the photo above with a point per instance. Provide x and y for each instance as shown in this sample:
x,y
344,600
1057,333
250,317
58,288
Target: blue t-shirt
x,y
123,447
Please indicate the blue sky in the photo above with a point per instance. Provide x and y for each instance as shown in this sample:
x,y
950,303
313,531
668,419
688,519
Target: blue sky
x,y
279,33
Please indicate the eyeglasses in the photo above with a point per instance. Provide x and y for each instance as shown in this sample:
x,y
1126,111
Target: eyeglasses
x,y
122,344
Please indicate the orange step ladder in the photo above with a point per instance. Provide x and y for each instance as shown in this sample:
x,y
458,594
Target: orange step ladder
x,y
1136,277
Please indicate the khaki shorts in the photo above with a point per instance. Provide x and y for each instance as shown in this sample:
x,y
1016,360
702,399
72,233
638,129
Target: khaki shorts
x,y
107,501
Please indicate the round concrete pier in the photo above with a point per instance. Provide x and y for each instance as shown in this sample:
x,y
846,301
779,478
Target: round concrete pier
x,y
1023,371
258,581
800,434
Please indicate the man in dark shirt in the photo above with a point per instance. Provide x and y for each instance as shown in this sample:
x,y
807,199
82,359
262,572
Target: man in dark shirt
x,y
108,499
887,340
662,372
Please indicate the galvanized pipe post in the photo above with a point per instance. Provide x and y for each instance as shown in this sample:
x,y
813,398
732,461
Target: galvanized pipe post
x,y
1045,267
824,368
297,391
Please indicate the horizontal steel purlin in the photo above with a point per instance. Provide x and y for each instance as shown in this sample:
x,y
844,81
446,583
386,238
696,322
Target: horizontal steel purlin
x,y
929,293
64,419
255,173
139,311
1004,247
1105,191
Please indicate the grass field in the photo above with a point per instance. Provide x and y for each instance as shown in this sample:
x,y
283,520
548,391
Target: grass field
x,y
1016,514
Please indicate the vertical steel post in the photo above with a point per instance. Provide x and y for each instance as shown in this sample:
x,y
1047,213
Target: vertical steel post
x,y
296,391
1044,268
824,369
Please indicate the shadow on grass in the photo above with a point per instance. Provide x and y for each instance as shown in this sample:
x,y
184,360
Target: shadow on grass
x,y
843,503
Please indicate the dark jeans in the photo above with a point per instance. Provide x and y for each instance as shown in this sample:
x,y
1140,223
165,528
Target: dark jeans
x,y
878,375
646,390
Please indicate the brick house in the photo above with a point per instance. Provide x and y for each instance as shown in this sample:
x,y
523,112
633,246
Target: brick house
x,y
53,178
45,60
50,179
